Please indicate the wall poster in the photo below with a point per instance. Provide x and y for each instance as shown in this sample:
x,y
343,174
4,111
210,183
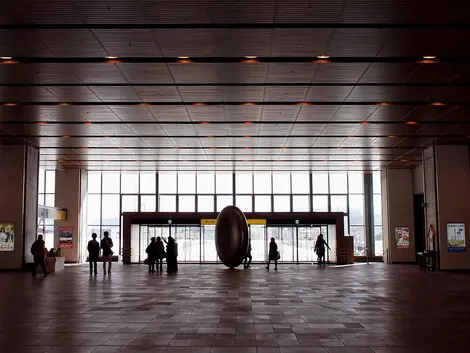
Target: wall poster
x,y
65,237
456,237
402,237
7,236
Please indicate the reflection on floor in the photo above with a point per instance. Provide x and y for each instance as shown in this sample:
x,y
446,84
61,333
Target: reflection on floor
x,y
209,309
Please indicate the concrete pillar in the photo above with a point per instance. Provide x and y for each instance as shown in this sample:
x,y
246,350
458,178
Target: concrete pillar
x,y
397,213
447,195
68,195
19,201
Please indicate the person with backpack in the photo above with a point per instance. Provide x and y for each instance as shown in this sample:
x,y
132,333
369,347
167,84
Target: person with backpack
x,y
106,245
273,254
38,250
320,249
160,254
93,254
152,254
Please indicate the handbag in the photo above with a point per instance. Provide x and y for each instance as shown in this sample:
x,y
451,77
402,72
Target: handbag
x,y
278,256
146,261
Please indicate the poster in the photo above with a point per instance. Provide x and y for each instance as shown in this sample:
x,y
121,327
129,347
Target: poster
x,y
65,237
456,237
402,237
7,236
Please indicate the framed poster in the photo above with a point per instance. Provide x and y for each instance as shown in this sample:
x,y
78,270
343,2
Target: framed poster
x,y
402,237
65,237
456,237
7,236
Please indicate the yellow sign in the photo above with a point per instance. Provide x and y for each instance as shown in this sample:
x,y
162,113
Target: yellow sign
x,y
256,221
250,221
208,222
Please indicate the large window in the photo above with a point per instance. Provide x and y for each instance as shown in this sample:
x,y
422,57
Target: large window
x,y
46,197
377,211
110,194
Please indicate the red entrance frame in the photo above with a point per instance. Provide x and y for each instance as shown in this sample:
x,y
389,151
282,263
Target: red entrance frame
x,y
344,245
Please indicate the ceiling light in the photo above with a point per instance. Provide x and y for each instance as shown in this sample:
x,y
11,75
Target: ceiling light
x,y
205,123
84,148
10,105
429,57
365,123
323,57
183,57
110,57
199,104
63,104
212,148
88,123
438,104
209,137
249,104
385,104
248,123
42,123
142,104
392,137
247,137
304,103
251,57
351,137
411,123
247,148
66,137
403,160
6,57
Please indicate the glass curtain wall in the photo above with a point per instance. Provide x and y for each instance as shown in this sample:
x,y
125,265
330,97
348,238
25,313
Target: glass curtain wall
x,y
46,197
109,194
377,213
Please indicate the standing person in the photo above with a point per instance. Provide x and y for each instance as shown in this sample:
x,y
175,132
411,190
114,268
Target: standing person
x,y
152,254
38,250
93,254
171,255
248,257
320,249
273,254
106,245
160,254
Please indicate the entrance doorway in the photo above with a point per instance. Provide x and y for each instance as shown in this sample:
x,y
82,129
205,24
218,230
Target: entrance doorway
x,y
307,237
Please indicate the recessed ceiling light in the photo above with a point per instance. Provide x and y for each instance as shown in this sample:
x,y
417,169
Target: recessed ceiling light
x,y
438,104
322,57
63,104
10,105
384,104
249,104
392,137
248,123
66,137
429,57
42,123
6,57
183,57
251,57
247,148
205,123
304,103
199,104
411,123
88,123
403,160
365,123
111,57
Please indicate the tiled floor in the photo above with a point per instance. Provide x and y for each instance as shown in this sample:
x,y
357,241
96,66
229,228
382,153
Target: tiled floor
x,y
209,309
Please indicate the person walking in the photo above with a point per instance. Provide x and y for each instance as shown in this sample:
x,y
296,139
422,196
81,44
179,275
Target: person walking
x,y
152,254
160,254
38,250
106,245
273,254
248,257
320,250
171,255
93,254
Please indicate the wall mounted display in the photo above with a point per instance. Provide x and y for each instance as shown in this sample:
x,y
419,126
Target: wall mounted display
x,y
65,237
7,236
456,237
402,237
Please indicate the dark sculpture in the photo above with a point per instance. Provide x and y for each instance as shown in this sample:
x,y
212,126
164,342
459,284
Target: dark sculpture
x,y
231,236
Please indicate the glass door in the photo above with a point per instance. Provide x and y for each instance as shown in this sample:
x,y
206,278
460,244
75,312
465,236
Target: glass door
x,y
258,242
209,253
307,237
187,238
285,239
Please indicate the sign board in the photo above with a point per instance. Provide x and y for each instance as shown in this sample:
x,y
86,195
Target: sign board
x,y
56,214
456,237
65,237
7,236
249,221
402,237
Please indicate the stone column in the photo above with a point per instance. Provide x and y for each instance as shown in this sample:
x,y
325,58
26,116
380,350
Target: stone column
x,y
447,195
68,195
19,201
397,206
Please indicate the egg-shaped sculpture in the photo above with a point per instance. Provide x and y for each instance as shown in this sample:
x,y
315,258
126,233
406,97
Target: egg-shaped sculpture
x,y
231,236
